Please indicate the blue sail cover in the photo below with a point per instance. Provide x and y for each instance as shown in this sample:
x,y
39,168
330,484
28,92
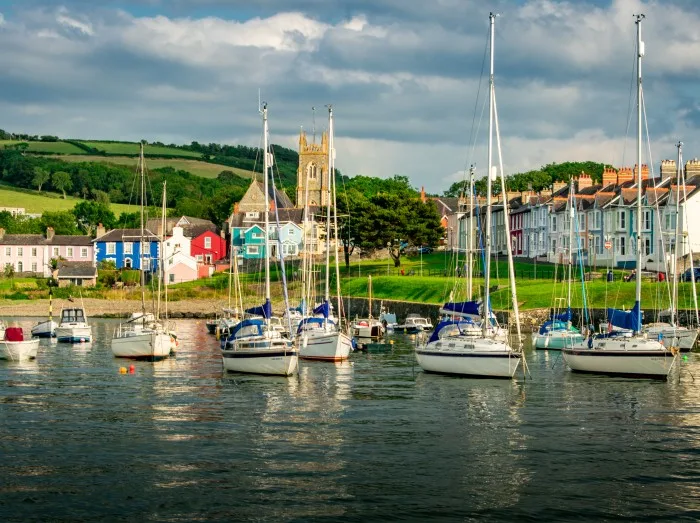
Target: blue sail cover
x,y
435,336
324,309
462,307
311,321
564,316
264,310
552,325
626,320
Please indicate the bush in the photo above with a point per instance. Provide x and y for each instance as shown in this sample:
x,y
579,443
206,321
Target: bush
x,y
107,277
130,277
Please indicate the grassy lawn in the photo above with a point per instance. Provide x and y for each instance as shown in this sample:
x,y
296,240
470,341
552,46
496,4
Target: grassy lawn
x,y
46,147
35,202
133,148
196,167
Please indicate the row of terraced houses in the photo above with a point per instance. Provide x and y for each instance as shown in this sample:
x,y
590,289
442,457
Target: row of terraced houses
x,y
603,228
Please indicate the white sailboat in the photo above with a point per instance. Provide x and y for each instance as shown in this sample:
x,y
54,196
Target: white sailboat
x,y
635,355
322,338
73,327
142,336
369,327
450,349
254,346
14,346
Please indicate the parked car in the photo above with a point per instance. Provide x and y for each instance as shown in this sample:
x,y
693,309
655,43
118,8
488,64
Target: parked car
x,y
416,250
686,275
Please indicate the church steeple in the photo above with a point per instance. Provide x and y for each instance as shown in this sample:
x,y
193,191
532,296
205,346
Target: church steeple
x,y
312,170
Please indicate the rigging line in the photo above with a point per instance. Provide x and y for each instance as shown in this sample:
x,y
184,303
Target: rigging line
x,y
629,101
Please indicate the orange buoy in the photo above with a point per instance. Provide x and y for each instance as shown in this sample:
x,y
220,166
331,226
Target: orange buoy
x,y
132,369
122,370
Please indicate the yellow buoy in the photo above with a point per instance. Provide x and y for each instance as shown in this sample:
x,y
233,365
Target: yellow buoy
x,y
122,370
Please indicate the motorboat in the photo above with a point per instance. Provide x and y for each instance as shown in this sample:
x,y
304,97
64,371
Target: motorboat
x,y
14,346
73,327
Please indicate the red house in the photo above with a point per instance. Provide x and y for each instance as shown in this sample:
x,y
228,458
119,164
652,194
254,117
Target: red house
x,y
517,218
207,246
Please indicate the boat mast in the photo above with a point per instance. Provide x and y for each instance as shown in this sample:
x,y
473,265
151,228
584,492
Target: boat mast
x,y
266,168
487,233
161,260
328,208
141,276
640,54
679,180
470,234
339,311
572,216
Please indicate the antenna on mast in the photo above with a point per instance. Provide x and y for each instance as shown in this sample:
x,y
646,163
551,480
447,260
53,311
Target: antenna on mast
x,y
313,117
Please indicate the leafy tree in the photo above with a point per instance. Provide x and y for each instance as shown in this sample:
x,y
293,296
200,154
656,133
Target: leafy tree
x,y
90,213
41,176
9,271
107,265
61,181
63,222
350,203
220,206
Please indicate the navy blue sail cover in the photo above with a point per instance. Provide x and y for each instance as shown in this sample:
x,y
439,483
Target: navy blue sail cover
x,y
626,320
264,310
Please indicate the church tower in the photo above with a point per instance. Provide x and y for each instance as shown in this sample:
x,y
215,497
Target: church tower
x,y
313,170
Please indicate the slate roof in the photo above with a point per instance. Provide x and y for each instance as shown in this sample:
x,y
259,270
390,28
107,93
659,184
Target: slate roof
x,y
40,239
76,270
126,235
285,215
193,229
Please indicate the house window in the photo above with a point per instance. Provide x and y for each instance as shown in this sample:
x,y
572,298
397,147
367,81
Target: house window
x,y
111,248
257,235
647,246
596,242
57,252
207,258
581,222
128,248
554,246
69,252
252,214
646,220
83,252
34,267
20,251
207,242
8,251
127,263
33,252
623,249
171,278
199,258
621,216
253,249
554,224
20,266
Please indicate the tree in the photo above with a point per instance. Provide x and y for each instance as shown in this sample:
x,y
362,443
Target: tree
x,y
63,222
41,176
89,214
351,204
62,182
9,271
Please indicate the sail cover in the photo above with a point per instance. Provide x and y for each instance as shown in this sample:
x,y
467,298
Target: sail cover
x,y
324,309
564,316
470,308
264,310
626,319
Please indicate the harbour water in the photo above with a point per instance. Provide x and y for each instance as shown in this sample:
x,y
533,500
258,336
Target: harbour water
x,y
369,439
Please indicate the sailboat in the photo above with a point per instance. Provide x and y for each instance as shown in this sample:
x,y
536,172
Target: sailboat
x,y
47,328
254,346
322,338
368,327
558,332
142,336
450,350
675,335
635,355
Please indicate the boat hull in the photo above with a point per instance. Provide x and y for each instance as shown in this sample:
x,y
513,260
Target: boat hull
x,y
270,357
19,350
144,345
474,358
45,329
558,340
683,338
630,357
332,346
74,334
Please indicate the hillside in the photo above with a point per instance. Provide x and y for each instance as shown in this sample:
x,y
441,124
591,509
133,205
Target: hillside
x,y
35,202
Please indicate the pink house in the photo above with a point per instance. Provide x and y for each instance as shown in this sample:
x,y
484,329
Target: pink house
x,y
32,253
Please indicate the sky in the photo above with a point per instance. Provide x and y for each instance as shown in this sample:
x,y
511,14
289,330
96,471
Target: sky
x,y
406,78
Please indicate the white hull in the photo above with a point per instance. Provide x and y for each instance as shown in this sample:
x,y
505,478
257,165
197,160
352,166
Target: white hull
x,y
275,356
143,345
624,356
19,350
330,346
368,329
74,333
680,337
478,357
45,329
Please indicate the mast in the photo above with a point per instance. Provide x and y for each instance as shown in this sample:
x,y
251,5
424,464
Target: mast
x,y
470,234
640,54
328,208
679,180
266,168
572,216
487,233
161,260
141,276
339,311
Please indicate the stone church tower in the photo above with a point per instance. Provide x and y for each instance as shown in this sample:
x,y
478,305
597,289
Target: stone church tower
x,y
313,169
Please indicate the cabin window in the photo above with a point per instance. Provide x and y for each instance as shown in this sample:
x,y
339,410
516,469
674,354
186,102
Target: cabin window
x,y
112,248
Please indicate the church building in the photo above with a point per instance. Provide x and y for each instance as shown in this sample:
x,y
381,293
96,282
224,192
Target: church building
x,y
312,173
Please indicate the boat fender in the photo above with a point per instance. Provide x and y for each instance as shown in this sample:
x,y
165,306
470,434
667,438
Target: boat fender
x,y
305,341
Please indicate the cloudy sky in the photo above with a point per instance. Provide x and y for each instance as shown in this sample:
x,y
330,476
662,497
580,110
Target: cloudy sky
x,y
403,76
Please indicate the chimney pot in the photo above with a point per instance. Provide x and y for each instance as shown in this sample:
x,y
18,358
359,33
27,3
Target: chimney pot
x,y
49,233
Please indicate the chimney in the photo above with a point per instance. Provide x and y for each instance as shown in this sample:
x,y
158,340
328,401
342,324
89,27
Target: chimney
x,y
609,176
2,233
525,196
236,207
558,186
512,194
645,172
584,181
49,233
272,205
422,194
668,169
624,175
692,168
100,230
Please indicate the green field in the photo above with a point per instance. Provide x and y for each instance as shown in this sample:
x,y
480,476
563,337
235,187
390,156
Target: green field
x,y
36,203
133,148
196,167
46,147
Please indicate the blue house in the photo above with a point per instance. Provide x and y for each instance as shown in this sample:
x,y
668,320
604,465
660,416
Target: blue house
x,y
123,247
248,236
